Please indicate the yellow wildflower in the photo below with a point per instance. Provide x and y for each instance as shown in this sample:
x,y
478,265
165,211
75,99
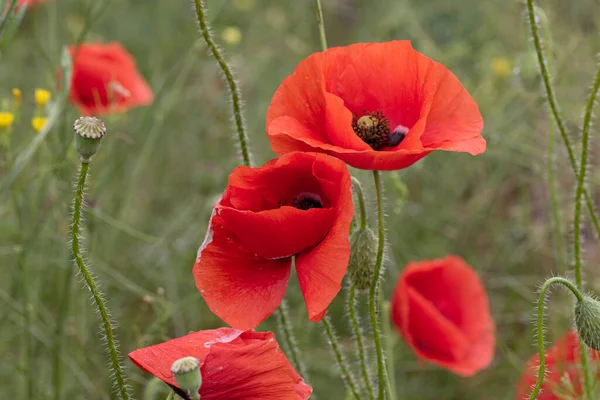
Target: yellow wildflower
x,y
501,66
6,120
17,95
42,97
38,123
232,35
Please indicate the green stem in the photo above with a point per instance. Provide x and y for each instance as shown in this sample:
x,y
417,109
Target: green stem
x,y
102,309
339,357
581,178
585,144
360,343
287,333
321,25
361,202
234,90
540,328
374,306
389,341
543,64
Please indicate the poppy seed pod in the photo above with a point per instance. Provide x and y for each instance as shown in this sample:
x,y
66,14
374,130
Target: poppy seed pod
x,y
89,131
587,321
188,376
362,258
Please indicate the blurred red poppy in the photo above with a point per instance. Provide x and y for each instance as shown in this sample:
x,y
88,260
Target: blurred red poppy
x,y
234,365
563,378
21,3
106,80
298,205
441,309
379,106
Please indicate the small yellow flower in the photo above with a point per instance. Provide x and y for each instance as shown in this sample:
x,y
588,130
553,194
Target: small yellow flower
x,y
38,123
232,35
6,120
42,97
501,66
17,95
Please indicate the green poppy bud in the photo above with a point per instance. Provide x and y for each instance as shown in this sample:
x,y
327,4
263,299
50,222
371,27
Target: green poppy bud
x,y
188,376
362,258
89,131
587,321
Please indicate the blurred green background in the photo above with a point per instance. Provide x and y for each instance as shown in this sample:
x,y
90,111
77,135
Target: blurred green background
x,y
161,169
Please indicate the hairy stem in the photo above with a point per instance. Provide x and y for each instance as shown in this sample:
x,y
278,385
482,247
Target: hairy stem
x,y
374,306
101,307
339,357
561,248
234,90
553,105
581,177
540,327
360,343
361,202
287,332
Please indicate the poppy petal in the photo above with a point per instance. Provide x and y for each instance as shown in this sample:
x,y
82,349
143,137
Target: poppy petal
x,y
440,307
278,233
313,109
240,288
454,121
321,270
234,365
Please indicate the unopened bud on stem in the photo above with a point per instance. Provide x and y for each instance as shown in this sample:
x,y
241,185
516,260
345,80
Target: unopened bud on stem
x,y
363,254
587,321
89,131
188,377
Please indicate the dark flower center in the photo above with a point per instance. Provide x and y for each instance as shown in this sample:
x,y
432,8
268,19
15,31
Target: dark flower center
x,y
374,129
306,201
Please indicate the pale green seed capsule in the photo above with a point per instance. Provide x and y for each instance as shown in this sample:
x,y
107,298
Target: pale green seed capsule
x,y
188,376
362,258
89,131
587,321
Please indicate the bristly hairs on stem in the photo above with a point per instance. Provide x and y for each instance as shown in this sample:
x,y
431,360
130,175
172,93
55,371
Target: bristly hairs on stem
x,y
539,325
234,90
374,301
581,177
334,345
577,239
357,331
98,299
553,105
289,339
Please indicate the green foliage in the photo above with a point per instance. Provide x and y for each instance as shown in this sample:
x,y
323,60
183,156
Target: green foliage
x,y
161,169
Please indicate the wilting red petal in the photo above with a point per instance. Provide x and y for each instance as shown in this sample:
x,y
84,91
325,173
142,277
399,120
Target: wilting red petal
x,y
321,269
562,363
234,365
105,79
240,288
312,110
440,307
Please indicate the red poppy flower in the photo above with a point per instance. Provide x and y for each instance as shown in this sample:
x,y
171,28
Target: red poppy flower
x,y
105,79
441,309
298,205
380,106
563,379
234,365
